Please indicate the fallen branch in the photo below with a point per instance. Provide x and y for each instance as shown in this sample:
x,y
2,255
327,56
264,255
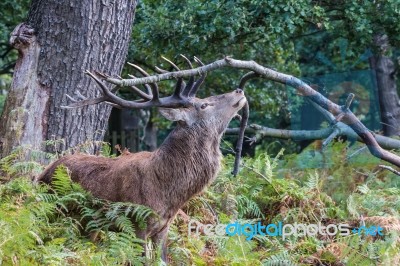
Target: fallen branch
x,y
386,167
261,132
341,113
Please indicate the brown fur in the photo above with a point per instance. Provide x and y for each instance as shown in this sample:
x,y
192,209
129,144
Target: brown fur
x,y
187,161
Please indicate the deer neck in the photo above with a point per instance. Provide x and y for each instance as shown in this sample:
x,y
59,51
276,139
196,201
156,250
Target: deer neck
x,y
189,160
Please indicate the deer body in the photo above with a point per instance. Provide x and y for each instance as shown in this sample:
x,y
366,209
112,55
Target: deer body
x,y
164,180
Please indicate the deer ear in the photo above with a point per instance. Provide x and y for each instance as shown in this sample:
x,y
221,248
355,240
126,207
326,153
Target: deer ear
x,y
174,114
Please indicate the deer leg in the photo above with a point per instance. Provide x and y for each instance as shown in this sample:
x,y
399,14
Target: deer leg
x,y
160,241
143,235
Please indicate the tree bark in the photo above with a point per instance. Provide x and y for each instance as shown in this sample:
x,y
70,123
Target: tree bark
x,y
59,41
387,90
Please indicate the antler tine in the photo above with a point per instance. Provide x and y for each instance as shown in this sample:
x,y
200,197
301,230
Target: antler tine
x,y
188,87
138,68
180,85
79,94
200,81
141,94
110,98
171,63
83,99
101,84
187,61
83,103
197,85
178,88
71,98
198,61
160,70
100,74
153,86
105,76
107,97
77,104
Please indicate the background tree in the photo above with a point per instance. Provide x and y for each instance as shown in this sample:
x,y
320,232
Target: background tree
x,y
365,25
11,13
57,43
290,37
298,37
253,30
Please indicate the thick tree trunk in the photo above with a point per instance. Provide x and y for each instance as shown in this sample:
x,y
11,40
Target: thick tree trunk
x,y
59,41
388,98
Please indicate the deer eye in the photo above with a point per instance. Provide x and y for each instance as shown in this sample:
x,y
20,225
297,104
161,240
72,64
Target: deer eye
x,y
204,105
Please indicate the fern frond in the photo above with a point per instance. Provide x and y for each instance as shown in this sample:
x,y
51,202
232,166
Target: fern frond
x,y
313,181
280,259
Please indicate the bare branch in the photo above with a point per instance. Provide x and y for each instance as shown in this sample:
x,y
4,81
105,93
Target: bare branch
x,y
143,95
334,134
261,132
246,78
386,167
349,100
302,88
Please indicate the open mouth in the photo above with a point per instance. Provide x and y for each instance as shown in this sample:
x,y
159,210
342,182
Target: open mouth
x,y
243,99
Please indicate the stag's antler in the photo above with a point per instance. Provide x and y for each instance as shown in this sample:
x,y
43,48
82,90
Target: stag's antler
x,y
180,98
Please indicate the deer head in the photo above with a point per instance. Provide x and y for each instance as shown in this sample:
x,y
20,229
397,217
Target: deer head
x,y
214,111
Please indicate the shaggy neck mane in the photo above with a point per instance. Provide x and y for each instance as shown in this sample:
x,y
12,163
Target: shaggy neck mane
x,y
193,155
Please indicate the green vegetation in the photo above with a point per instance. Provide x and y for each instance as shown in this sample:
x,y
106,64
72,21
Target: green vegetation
x,y
63,224
11,13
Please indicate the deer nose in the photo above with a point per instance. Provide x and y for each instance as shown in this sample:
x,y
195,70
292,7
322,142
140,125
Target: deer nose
x,y
239,90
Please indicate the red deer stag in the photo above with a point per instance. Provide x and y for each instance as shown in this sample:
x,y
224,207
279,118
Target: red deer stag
x,y
164,180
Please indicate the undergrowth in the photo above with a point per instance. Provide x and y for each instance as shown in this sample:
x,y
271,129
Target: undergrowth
x,y
62,224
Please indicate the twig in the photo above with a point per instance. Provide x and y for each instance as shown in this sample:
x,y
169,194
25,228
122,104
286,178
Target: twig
x,y
390,169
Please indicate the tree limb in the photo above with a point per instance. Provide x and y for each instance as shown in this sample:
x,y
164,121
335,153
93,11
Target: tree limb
x,y
340,112
261,132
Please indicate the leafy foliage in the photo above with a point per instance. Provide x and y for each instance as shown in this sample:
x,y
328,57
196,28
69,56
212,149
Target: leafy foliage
x,y
12,13
48,226
64,224
291,195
